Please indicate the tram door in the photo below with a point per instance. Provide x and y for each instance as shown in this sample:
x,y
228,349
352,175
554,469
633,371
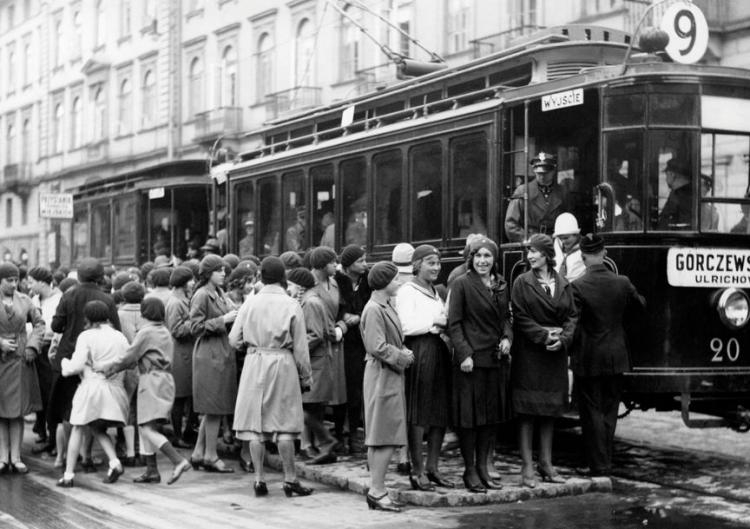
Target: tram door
x,y
178,221
571,134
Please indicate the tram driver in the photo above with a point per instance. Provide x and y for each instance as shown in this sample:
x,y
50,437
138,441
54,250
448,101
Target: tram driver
x,y
547,200
677,211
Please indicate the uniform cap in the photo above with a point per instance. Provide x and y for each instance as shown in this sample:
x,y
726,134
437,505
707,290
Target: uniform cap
x,y
544,159
566,224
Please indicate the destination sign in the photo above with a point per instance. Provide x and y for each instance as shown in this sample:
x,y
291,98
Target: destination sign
x,y
569,98
708,267
56,205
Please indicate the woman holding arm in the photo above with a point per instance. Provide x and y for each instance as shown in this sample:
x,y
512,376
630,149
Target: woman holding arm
x,y
544,321
383,387
480,329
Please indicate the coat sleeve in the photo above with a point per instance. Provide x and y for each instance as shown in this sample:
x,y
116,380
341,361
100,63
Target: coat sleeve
x,y
200,324
34,339
514,216
236,335
457,298
375,340
60,319
534,332
134,352
178,321
317,325
301,351
570,321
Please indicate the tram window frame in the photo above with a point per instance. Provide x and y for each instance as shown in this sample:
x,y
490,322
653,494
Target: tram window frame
x,y
388,237
81,230
125,229
429,217
458,182
355,200
630,206
318,211
105,252
245,215
725,197
294,216
269,215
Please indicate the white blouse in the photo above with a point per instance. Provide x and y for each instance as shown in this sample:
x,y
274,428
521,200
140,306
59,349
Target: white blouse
x,y
417,308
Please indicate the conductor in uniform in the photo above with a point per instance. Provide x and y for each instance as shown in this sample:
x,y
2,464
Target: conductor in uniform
x,y
547,199
599,355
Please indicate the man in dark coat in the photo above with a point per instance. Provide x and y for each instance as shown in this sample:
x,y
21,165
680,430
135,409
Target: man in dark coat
x,y
547,199
69,321
599,354
677,212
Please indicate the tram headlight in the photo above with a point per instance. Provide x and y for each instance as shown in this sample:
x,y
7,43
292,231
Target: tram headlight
x,y
734,308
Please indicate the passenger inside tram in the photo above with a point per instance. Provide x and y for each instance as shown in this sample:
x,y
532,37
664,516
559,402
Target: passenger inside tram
x,y
709,213
677,211
356,231
247,243
743,226
329,230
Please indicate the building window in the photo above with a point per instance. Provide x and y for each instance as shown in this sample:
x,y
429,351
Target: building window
x,y
76,123
148,97
264,73
57,52
195,98
11,69
149,12
10,156
125,11
101,24
77,45
9,212
11,16
459,12
228,77
304,54
57,129
24,212
100,114
523,14
126,111
350,46
26,72
26,141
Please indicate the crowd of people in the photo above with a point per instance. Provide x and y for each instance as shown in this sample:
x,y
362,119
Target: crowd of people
x,y
255,353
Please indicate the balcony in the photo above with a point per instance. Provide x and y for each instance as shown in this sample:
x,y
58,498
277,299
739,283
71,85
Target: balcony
x,y
17,178
293,100
222,121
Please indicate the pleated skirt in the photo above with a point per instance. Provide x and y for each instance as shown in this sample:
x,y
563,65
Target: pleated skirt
x,y
481,398
428,382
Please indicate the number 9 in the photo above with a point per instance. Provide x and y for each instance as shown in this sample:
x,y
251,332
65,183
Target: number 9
x,y
682,34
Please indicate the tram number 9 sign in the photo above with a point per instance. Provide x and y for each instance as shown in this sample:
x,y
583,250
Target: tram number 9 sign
x,y
688,33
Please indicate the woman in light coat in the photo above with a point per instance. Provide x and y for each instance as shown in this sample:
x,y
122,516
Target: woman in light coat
x,y
19,387
276,371
383,387
214,362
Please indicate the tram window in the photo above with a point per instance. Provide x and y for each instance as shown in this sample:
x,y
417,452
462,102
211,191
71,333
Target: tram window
x,y
269,218
624,159
161,224
100,231
80,234
354,185
673,109
244,194
469,185
724,175
426,163
125,222
190,218
295,216
322,205
388,184
671,181
622,110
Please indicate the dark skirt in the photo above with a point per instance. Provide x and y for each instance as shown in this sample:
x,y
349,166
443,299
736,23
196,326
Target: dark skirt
x,y
480,398
428,382
61,397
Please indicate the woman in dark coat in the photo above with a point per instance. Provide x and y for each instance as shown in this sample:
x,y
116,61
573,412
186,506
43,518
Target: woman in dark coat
x,y
544,322
480,329
383,387
214,362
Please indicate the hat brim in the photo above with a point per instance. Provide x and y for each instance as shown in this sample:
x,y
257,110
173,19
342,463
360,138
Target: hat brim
x,y
576,232
405,269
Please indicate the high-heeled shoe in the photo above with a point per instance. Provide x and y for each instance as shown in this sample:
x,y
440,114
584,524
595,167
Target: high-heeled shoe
x,y
65,483
197,464
422,483
550,475
260,489
439,480
382,503
113,474
295,487
474,486
490,484
528,479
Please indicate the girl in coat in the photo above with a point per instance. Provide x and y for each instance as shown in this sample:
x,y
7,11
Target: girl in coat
x,y
544,320
19,387
152,353
383,387
276,371
99,402
214,362
481,332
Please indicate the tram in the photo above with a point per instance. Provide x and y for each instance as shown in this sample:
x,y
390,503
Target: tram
x,y
164,210
435,158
